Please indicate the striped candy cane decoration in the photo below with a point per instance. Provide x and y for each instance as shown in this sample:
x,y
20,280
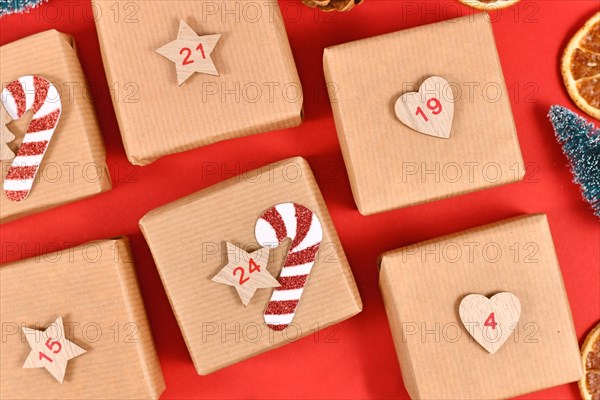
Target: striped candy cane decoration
x,y
304,228
39,95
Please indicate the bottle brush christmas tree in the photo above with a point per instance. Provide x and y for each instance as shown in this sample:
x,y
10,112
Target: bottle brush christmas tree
x,y
17,6
580,141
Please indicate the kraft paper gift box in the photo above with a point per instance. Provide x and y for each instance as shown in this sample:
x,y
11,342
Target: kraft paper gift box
x,y
74,165
94,288
391,165
257,89
423,284
188,242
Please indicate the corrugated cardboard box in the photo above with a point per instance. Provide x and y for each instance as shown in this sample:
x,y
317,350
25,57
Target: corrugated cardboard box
x,y
94,288
422,286
389,164
257,90
187,239
74,166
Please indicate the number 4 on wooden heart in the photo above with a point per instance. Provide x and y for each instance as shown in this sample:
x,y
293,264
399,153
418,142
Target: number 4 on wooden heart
x,y
491,321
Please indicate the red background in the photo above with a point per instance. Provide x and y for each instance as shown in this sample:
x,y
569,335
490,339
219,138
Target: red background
x,y
361,361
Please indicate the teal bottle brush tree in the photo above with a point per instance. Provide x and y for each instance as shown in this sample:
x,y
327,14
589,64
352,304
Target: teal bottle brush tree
x,y
17,6
580,141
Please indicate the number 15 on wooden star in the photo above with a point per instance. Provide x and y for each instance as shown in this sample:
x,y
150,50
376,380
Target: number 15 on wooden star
x,y
191,53
50,349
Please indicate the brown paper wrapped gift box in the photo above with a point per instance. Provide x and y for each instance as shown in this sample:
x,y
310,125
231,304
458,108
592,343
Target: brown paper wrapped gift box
x,y
258,88
389,164
94,288
187,240
422,286
74,166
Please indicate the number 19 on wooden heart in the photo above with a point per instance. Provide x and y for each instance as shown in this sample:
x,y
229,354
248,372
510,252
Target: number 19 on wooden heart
x,y
430,110
433,105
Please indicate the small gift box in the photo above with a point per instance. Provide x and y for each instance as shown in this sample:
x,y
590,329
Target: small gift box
x,y
189,73
481,314
462,99
251,263
76,316
53,153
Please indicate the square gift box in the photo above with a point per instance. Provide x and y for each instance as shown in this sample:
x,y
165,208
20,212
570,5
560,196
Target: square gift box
x,y
188,242
257,88
423,284
94,288
74,165
391,165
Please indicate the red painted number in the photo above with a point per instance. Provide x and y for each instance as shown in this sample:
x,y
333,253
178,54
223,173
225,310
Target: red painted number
x,y
188,54
491,321
433,105
51,346
42,355
422,114
201,49
242,273
186,60
254,266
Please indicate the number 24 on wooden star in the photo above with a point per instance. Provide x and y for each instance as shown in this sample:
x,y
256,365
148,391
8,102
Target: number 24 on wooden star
x,y
191,53
246,272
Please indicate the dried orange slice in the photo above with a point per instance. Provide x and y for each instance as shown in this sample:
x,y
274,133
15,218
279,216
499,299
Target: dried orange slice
x,y
589,385
489,5
581,67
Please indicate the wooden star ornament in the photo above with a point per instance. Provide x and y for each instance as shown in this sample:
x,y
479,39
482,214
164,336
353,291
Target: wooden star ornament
x,y
50,349
246,272
191,53
6,136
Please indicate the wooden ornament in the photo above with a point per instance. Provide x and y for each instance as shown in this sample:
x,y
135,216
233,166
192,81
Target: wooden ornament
x,y
50,349
430,110
490,321
246,272
6,136
191,53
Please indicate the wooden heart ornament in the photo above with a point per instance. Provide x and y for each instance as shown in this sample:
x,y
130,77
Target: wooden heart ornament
x,y
430,110
490,321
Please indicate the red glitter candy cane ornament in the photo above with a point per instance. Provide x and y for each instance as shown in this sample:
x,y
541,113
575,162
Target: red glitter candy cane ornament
x,y
304,228
39,95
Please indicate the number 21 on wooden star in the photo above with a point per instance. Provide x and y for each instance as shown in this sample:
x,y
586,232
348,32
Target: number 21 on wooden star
x,y
191,53
246,272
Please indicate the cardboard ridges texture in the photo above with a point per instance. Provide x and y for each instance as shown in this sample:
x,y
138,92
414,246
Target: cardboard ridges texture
x,y
392,166
188,242
257,90
74,166
94,288
423,284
